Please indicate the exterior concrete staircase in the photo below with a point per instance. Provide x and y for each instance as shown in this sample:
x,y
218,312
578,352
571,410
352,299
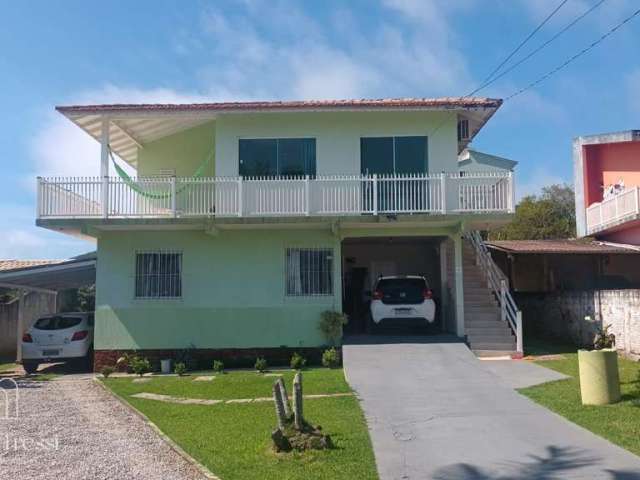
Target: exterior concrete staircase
x,y
487,334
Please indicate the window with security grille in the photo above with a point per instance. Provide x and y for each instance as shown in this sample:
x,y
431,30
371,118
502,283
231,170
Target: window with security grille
x,y
309,271
158,274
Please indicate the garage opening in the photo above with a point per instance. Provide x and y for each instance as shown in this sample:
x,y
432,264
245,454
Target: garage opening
x,y
392,263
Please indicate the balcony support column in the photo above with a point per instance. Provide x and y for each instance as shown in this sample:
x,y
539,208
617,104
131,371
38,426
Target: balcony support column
x,y
459,282
104,165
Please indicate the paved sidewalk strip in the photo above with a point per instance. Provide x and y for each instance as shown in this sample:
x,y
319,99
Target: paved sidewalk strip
x,y
205,401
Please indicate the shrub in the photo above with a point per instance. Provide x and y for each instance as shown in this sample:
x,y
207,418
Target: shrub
x,y
331,358
188,357
124,362
261,364
139,365
218,366
298,362
604,339
180,369
107,370
331,323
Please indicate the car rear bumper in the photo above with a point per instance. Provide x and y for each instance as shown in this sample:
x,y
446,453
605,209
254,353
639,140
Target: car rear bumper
x,y
54,353
425,311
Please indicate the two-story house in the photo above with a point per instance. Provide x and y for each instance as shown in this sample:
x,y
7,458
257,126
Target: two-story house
x,y
245,221
607,184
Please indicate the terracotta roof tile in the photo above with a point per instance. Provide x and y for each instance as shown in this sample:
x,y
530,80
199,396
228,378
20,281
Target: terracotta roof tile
x,y
6,265
391,103
560,246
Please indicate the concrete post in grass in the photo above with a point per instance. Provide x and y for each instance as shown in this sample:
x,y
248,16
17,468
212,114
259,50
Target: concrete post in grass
x,y
280,412
298,418
285,397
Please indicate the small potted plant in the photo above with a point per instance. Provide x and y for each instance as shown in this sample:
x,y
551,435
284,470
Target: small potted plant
x,y
599,378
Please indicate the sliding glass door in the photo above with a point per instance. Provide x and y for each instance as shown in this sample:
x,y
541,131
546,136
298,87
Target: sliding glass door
x,y
397,156
394,155
277,157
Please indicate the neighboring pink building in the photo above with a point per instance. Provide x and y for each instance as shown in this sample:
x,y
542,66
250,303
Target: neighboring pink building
x,y
607,185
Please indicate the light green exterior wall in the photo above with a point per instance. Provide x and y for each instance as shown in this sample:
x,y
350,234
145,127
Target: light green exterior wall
x,y
234,283
233,292
337,139
184,151
338,136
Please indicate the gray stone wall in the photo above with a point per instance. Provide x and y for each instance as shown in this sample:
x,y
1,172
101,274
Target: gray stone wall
x,y
575,316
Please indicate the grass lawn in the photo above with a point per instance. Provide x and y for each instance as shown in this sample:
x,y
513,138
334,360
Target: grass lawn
x,y
6,365
619,423
233,440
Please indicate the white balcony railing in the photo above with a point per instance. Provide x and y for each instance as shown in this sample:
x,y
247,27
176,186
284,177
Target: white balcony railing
x,y
149,197
613,211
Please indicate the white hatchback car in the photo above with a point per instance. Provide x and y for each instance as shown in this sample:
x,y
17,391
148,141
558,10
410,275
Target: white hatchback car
x,y
56,338
402,297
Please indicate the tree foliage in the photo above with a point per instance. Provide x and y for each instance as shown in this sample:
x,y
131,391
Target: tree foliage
x,y
550,215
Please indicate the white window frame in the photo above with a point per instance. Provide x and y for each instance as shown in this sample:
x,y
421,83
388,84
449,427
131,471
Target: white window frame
x,y
136,275
313,293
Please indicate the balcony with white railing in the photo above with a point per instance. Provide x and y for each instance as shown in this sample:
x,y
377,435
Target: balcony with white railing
x,y
614,211
178,197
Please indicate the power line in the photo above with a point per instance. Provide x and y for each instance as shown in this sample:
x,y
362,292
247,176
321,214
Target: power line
x,y
541,47
574,57
517,49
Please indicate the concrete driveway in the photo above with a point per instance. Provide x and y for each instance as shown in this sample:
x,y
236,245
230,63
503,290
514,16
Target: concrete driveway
x,y
437,412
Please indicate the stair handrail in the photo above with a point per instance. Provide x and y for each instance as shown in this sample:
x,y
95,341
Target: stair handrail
x,y
499,284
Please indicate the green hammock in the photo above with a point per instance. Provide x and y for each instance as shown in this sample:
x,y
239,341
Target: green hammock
x,y
133,185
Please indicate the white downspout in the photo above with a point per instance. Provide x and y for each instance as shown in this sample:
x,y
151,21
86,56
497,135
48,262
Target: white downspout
x,y
104,165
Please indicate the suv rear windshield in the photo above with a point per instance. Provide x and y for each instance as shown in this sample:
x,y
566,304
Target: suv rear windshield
x,y
57,323
402,290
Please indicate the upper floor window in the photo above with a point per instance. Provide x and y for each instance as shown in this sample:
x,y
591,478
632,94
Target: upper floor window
x,y
309,271
277,157
158,274
394,155
463,130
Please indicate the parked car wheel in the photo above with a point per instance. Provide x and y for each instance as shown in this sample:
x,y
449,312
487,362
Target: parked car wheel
x,y
30,367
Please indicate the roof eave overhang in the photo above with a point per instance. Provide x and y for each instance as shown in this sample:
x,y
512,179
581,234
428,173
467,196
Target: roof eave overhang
x,y
132,126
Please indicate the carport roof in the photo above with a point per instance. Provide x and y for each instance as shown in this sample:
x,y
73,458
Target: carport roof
x,y
48,275
568,246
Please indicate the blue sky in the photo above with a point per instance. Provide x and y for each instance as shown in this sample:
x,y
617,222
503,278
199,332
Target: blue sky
x,y
168,51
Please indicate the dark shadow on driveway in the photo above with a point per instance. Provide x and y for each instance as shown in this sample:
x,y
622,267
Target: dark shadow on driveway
x,y
555,465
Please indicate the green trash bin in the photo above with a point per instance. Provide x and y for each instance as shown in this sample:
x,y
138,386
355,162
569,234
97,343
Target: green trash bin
x,y
599,379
